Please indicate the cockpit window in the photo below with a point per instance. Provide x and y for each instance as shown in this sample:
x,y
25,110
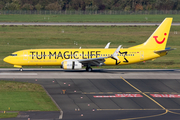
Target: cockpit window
x,y
13,55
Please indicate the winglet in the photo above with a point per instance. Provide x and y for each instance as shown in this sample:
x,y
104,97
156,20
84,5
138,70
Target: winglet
x,y
107,46
116,53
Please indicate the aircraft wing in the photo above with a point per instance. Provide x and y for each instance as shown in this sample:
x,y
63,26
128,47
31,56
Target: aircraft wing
x,y
93,61
99,61
166,49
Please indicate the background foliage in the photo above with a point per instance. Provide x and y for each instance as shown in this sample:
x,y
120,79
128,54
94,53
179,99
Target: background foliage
x,y
126,5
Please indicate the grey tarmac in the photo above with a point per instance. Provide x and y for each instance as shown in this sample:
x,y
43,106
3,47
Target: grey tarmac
x,y
95,74
81,87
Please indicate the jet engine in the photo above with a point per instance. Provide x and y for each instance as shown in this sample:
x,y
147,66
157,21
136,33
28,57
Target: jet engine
x,y
70,65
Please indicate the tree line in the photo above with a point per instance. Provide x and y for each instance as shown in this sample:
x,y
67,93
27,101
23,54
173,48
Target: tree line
x,y
91,5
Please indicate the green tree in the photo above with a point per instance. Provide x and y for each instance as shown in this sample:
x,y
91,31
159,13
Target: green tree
x,y
108,4
14,5
77,5
53,6
38,6
10,6
62,4
1,5
165,4
91,4
27,7
177,3
44,3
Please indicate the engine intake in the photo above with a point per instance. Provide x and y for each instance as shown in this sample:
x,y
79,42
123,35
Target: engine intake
x,y
70,65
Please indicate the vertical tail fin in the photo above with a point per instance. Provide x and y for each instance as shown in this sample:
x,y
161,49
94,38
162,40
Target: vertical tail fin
x,y
158,39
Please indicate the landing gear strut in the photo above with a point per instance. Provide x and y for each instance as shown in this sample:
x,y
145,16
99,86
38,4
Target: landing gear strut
x,y
89,69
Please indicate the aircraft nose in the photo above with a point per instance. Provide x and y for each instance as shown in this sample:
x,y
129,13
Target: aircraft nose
x,y
7,60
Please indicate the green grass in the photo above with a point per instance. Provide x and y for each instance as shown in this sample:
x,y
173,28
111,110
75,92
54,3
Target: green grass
x,y
8,115
14,38
21,96
86,18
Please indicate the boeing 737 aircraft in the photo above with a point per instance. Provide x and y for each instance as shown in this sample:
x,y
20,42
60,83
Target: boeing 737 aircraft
x,y
154,47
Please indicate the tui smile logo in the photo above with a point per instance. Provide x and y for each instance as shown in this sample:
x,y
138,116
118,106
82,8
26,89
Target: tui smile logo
x,y
159,42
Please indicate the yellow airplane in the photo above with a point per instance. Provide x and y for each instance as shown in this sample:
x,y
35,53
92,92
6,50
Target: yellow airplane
x,y
153,48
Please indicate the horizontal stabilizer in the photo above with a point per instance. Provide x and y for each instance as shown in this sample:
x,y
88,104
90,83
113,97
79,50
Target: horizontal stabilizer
x,y
166,49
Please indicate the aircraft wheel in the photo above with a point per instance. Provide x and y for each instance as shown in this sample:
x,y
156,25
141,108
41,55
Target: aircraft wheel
x,y
21,69
89,69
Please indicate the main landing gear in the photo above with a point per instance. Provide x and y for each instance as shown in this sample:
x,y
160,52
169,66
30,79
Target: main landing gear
x,y
89,69
21,69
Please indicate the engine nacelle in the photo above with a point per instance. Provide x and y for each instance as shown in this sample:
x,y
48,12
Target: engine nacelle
x,y
69,65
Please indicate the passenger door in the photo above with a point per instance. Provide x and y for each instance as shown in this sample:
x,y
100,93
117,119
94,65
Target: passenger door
x,y
25,55
141,55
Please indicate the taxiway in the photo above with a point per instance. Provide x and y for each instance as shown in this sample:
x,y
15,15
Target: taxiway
x,y
105,94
